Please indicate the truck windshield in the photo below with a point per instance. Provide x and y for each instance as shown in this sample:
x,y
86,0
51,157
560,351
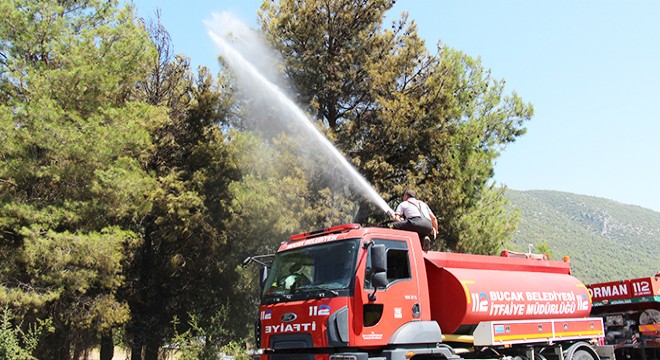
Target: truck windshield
x,y
325,269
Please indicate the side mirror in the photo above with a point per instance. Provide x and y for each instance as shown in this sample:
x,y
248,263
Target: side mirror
x,y
378,269
265,261
378,259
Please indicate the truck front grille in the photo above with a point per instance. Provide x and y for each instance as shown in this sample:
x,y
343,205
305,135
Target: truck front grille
x,y
291,347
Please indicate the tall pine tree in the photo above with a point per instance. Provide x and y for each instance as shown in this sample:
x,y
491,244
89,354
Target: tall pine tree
x,y
72,160
404,116
183,265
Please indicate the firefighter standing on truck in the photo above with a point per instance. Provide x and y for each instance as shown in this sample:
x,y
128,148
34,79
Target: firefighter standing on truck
x,y
415,215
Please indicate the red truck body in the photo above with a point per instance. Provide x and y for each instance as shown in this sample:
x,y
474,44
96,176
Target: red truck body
x,y
631,312
318,302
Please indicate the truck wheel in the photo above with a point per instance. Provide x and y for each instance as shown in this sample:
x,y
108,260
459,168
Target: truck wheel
x,y
581,351
582,355
536,356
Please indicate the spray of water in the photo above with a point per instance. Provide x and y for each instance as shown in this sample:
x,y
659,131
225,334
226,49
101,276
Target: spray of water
x,y
238,44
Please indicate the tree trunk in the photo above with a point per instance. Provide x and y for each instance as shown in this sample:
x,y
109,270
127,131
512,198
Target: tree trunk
x,y
64,348
107,346
136,352
151,350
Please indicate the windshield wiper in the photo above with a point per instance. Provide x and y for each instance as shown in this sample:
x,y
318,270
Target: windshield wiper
x,y
275,298
316,288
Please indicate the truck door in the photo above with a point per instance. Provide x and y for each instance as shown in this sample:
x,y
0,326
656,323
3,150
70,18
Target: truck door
x,y
394,306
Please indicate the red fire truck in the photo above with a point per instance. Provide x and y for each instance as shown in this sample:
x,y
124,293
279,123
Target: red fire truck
x,y
366,293
631,313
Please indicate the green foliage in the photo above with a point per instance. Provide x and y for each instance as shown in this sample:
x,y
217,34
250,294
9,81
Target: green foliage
x,y
75,265
489,222
276,194
605,240
202,343
191,344
544,247
16,344
237,350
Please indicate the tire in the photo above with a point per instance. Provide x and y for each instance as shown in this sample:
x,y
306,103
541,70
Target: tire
x,y
582,354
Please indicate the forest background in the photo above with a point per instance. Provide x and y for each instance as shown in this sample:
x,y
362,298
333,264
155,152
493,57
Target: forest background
x,y
132,186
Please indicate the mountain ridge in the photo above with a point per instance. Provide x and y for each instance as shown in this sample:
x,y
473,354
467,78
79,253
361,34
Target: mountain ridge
x,y
606,240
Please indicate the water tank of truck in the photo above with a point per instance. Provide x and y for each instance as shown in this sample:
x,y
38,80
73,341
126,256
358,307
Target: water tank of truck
x,y
467,289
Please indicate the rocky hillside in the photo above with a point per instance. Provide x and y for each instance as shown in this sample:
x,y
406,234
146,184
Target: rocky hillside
x,y
606,240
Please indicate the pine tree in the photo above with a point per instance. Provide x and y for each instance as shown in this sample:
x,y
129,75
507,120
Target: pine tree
x,y
404,116
72,161
183,266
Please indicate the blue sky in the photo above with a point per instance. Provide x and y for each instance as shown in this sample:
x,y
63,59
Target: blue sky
x,y
590,68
